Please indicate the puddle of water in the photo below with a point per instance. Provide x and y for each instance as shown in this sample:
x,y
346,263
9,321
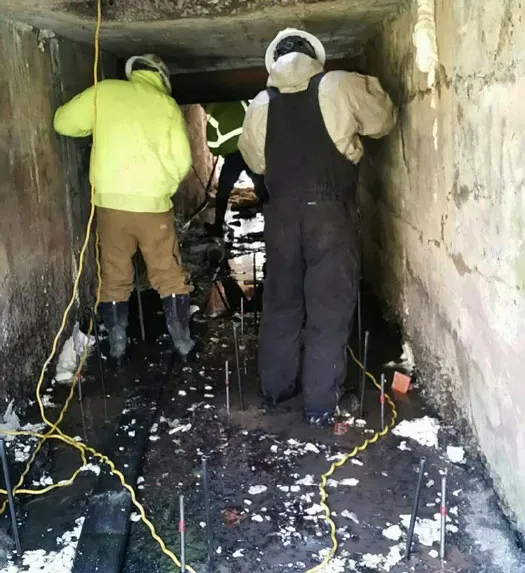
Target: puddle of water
x,y
242,227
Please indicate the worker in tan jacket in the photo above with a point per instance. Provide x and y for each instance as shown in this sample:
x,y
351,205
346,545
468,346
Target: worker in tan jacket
x,y
304,134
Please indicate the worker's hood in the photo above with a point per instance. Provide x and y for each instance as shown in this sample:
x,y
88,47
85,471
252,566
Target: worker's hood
x,y
292,72
148,77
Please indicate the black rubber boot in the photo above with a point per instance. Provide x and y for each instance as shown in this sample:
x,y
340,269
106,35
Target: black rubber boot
x,y
115,316
177,313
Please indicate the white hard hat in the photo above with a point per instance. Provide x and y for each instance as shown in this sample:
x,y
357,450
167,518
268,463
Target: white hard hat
x,y
287,32
152,61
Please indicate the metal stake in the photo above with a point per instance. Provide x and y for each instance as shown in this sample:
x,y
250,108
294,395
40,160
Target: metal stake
x,y
241,396
227,374
415,507
242,315
363,376
10,498
382,402
139,300
255,317
443,518
81,404
206,488
100,363
182,531
359,325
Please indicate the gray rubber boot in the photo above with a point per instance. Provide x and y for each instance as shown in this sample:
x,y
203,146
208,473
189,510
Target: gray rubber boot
x,y
177,313
115,316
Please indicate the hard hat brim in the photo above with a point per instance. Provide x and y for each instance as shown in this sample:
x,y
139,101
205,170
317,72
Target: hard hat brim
x,y
146,59
316,43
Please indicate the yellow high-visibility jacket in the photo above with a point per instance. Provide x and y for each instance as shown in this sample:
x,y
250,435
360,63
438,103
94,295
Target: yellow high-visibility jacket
x,y
225,121
141,149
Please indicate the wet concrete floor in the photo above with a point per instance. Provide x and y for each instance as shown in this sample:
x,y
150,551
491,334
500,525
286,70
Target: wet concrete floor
x,y
265,468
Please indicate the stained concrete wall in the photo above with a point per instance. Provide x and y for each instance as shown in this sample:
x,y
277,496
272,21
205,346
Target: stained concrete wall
x,y
192,190
444,206
44,197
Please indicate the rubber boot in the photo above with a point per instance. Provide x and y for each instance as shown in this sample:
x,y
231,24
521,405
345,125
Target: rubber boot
x,y
177,313
115,316
347,408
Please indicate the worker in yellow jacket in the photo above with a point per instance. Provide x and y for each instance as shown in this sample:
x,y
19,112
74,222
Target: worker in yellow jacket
x,y
141,155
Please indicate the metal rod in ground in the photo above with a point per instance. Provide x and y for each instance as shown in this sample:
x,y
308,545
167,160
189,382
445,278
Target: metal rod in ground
x,y
139,301
206,488
241,395
81,405
359,325
382,402
443,518
100,363
182,531
242,315
363,376
10,498
415,507
227,380
255,317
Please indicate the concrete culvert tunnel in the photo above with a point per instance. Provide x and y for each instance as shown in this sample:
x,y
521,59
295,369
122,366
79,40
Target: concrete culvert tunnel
x,y
442,226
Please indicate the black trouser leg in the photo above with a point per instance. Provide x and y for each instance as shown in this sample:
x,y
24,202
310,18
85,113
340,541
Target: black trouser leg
x,y
283,306
330,288
232,168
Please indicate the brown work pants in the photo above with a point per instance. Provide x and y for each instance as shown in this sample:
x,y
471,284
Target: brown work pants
x,y
121,233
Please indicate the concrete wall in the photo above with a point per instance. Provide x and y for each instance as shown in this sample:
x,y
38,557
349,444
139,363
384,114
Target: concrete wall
x,y
444,202
192,191
44,197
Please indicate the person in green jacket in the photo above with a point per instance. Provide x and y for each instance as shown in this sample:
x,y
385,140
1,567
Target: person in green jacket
x,y
141,153
225,122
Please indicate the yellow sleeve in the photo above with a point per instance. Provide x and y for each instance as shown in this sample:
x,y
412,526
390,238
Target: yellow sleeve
x,y
180,159
75,118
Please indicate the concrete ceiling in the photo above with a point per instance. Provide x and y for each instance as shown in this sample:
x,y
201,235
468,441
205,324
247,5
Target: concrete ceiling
x,y
206,35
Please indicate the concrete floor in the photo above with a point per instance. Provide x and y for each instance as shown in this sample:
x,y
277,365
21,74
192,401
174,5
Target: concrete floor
x,y
265,469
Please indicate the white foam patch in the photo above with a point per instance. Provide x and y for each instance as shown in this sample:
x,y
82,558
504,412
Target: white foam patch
x,y
95,468
380,562
257,489
456,454
71,353
307,480
350,515
422,430
59,561
350,482
428,530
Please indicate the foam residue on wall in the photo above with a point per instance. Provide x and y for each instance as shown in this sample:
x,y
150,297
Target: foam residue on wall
x,y
424,38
